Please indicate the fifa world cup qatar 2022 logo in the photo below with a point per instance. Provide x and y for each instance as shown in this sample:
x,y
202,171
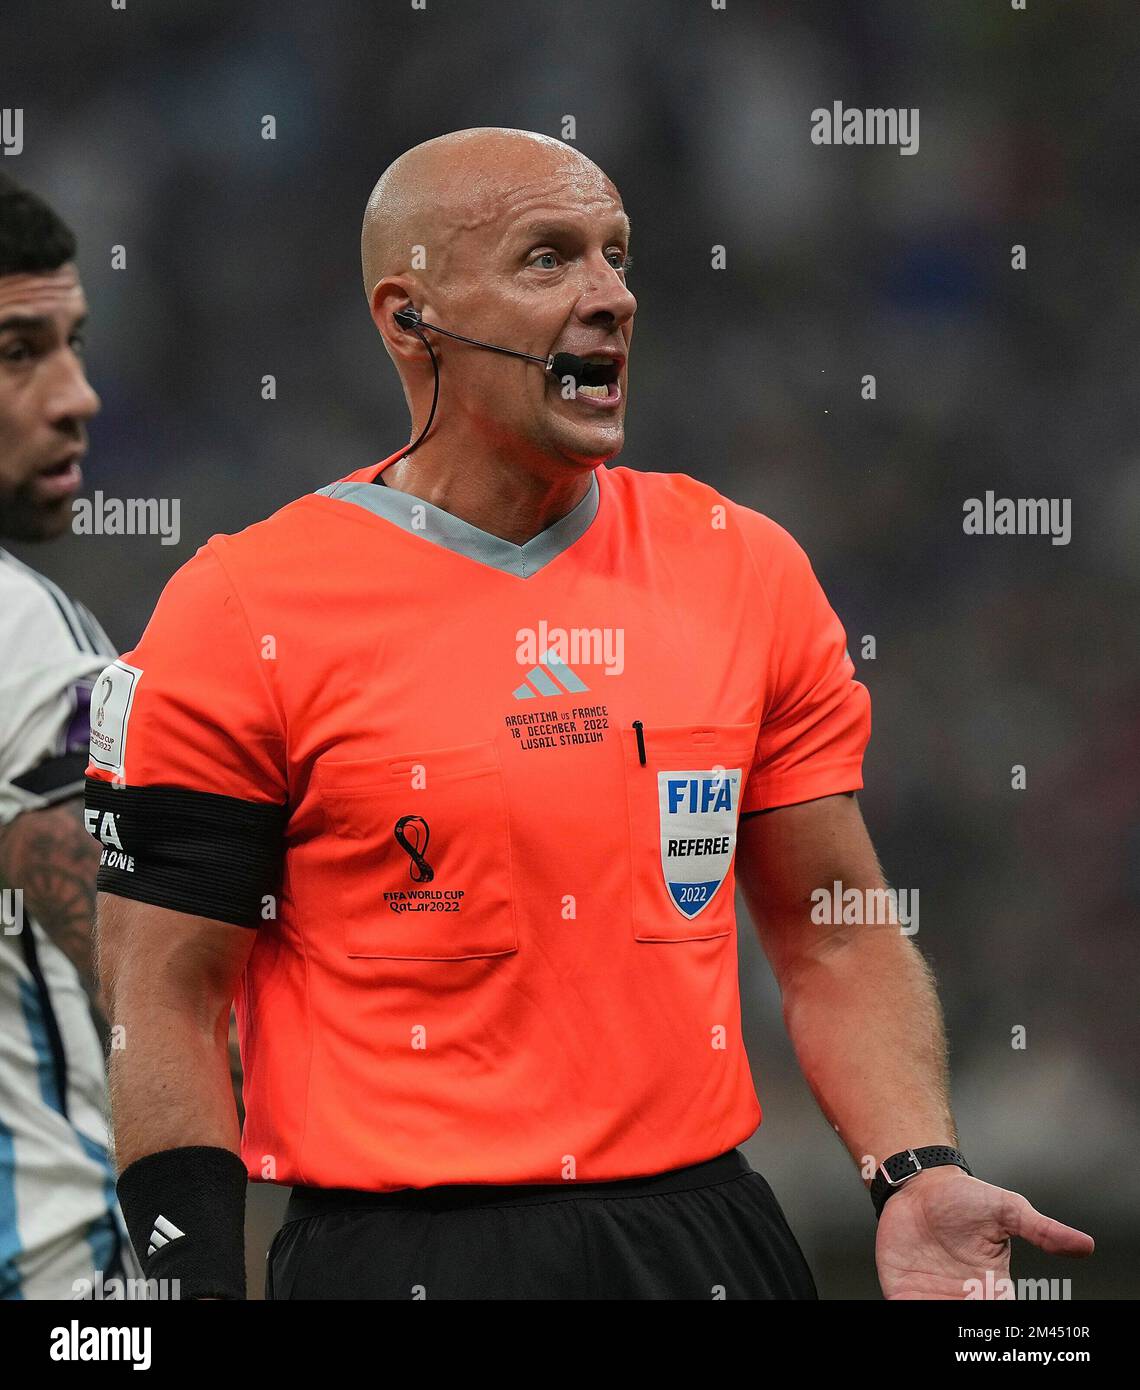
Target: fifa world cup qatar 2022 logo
x,y
105,686
412,834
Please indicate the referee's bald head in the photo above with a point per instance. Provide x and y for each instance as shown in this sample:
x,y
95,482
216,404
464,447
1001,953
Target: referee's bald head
x,y
515,238
437,192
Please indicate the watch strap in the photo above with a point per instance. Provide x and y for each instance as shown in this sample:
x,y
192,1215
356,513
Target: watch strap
x,y
895,1171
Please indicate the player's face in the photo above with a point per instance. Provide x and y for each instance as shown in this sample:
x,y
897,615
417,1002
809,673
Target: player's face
x,y
545,275
45,401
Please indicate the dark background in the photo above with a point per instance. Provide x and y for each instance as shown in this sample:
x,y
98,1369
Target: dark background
x,y
144,128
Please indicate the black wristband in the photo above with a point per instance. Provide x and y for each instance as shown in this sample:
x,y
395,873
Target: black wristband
x,y
185,1213
899,1168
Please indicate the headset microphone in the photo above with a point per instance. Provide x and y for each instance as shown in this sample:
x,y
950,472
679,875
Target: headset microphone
x,y
562,364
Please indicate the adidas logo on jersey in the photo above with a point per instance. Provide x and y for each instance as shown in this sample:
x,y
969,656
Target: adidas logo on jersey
x,y
542,679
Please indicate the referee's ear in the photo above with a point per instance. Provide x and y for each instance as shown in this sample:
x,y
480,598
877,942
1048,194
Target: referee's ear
x,y
389,295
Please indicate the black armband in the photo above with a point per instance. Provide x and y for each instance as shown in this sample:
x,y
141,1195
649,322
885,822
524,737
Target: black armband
x,y
197,852
185,1213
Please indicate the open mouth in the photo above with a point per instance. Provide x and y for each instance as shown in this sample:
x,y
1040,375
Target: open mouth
x,y
598,380
59,479
58,470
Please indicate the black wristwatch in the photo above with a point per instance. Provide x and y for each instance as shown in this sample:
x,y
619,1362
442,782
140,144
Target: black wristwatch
x,y
897,1169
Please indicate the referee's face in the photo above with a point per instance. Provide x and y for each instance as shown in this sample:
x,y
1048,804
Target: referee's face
x,y
45,401
541,267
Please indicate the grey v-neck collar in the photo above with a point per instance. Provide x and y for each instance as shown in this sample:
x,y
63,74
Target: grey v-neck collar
x,y
441,528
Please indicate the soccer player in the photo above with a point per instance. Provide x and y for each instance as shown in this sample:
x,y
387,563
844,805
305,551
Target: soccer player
x,y
59,1223
446,772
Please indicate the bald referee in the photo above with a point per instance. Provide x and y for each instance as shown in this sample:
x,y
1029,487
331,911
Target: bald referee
x,y
445,773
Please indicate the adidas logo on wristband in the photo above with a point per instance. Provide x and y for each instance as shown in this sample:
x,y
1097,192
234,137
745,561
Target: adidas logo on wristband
x,y
164,1232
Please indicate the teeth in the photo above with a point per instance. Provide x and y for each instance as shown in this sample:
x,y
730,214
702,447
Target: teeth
x,y
599,392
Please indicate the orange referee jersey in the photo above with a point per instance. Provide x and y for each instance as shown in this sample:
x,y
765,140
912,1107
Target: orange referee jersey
x,y
479,801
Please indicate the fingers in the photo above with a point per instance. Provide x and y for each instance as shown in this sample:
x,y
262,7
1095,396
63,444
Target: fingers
x,y
1022,1219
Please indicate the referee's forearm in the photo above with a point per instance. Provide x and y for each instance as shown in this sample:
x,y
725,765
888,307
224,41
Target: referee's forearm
x,y
170,1086
170,980
867,1028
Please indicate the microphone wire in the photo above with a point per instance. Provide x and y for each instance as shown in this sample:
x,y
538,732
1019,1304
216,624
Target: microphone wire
x,y
422,336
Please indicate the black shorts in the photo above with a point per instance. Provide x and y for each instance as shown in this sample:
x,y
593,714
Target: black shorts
x,y
712,1230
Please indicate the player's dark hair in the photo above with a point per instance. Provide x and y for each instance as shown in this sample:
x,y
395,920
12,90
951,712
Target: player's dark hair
x,y
33,237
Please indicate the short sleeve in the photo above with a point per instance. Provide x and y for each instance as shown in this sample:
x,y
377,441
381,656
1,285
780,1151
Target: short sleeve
x,y
50,659
186,787
817,717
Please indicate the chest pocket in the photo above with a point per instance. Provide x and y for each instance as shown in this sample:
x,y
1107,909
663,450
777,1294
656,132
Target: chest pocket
x,y
424,854
684,808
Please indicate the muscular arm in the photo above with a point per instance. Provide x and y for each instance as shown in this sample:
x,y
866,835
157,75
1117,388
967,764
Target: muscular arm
x,y
170,979
51,857
859,1001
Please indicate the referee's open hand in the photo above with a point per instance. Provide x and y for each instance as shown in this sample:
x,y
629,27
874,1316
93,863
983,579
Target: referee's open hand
x,y
947,1235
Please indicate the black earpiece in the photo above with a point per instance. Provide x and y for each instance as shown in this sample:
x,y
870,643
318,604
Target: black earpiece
x,y
407,318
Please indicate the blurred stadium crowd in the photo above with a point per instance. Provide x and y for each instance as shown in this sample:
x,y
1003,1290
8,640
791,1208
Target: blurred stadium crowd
x,y
144,128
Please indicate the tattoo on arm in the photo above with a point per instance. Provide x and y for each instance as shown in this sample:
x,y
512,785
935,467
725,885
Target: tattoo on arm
x,y
51,857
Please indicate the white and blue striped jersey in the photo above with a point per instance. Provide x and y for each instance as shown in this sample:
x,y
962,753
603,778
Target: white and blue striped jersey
x,y
59,1220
